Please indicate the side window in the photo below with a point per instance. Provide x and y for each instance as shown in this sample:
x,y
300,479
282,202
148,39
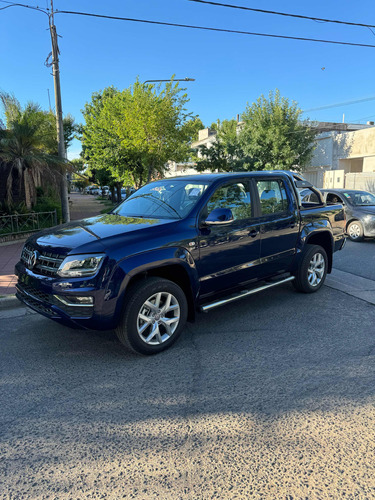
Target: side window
x,y
236,197
273,197
333,198
308,196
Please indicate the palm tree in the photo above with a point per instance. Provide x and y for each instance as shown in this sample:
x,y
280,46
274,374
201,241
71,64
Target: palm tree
x,y
26,146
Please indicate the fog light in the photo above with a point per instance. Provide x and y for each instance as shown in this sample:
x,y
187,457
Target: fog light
x,y
75,300
82,300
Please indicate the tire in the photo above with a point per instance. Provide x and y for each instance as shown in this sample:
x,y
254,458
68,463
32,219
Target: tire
x,y
146,326
312,269
355,231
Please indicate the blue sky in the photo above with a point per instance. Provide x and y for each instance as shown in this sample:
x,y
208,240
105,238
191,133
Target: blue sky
x,y
230,70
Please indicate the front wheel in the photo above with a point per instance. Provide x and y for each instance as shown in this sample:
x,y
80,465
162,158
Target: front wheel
x,y
355,231
312,270
154,316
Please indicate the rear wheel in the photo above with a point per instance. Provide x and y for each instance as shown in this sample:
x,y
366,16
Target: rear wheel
x,y
312,270
154,316
355,231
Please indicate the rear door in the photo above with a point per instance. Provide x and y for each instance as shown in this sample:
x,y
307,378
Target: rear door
x,y
229,253
279,222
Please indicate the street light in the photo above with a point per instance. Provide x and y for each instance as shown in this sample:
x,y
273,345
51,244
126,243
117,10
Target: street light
x,y
174,79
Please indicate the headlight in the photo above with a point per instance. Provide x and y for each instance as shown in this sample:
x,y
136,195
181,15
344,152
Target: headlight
x,y
80,265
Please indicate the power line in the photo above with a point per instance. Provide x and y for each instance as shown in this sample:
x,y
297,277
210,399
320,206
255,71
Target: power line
x,y
299,16
13,4
339,104
221,30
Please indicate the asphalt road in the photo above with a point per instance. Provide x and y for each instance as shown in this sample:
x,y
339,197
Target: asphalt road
x,y
357,258
270,398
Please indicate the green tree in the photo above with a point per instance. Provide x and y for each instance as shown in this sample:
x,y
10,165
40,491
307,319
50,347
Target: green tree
x,y
274,135
26,142
133,133
226,152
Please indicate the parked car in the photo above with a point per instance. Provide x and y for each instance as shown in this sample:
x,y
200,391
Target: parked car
x,y
359,209
178,246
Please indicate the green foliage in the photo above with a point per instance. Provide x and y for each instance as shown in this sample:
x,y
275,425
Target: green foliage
x,y
28,144
226,153
133,133
274,136
81,184
78,165
192,128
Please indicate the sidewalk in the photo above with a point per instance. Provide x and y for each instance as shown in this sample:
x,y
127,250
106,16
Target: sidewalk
x,y
82,206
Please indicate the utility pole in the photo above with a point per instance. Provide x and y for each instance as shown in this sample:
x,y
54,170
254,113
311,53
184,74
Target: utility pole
x,y
59,116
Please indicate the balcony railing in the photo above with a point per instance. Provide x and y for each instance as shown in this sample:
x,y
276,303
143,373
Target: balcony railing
x,y
26,223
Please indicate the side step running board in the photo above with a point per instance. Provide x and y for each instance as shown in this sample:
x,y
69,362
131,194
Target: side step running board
x,y
243,293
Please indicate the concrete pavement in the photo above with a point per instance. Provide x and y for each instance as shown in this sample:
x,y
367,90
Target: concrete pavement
x,y
82,206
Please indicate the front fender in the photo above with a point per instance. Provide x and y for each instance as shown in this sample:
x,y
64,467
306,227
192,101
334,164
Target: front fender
x,y
140,264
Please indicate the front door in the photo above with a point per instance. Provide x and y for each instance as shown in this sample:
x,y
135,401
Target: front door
x,y
229,253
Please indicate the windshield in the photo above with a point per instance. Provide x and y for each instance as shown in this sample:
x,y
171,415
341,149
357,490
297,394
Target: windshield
x,y
165,199
360,198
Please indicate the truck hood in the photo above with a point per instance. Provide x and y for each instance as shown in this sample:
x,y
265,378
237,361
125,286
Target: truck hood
x,y
77,233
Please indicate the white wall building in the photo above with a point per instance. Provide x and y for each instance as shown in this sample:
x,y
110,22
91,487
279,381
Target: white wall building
x,y
348,149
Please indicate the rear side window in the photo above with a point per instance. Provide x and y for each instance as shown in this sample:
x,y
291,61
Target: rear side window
x,y
273,197
333,198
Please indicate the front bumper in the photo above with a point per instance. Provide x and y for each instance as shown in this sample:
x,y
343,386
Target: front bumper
x,y
45,296
369,228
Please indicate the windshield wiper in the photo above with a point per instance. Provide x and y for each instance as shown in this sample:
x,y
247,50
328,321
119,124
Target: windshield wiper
x,y
160,201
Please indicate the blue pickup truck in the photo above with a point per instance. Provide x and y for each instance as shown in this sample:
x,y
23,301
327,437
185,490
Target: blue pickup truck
x,y
178,246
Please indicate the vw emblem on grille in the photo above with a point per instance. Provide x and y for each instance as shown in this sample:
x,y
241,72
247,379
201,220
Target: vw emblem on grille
x,y
32,259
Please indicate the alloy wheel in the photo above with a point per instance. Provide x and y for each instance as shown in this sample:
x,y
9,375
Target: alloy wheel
x,y
158,318
315,271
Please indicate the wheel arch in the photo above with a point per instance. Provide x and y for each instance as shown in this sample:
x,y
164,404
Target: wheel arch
x,y
325,240
173,263
173,272
353,219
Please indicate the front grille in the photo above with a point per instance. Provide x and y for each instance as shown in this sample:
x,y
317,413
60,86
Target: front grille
x,y
31,296
46,263
34,293
35,304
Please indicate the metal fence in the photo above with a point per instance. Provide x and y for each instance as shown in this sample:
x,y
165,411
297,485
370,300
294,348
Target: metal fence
x,y
26,223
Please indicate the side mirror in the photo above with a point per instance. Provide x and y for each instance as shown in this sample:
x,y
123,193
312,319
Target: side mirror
x,y
220,216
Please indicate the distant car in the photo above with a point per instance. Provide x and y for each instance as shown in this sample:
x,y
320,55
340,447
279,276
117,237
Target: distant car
x,y
359,208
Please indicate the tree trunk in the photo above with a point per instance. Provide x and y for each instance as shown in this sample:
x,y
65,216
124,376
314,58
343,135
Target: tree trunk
x,y
26,181
118,188
113,194
149,175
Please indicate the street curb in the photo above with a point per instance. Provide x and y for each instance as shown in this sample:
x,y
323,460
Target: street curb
x,y
10,302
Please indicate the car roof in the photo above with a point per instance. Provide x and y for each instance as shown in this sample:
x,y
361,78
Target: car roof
x,y
219,175
342,190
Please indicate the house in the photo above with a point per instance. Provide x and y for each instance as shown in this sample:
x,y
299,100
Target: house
x,y
206,137
344,156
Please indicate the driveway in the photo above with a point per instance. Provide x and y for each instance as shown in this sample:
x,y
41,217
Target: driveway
x,y
271,397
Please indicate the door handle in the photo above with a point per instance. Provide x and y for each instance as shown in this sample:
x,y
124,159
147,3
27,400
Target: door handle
x,y
253,233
